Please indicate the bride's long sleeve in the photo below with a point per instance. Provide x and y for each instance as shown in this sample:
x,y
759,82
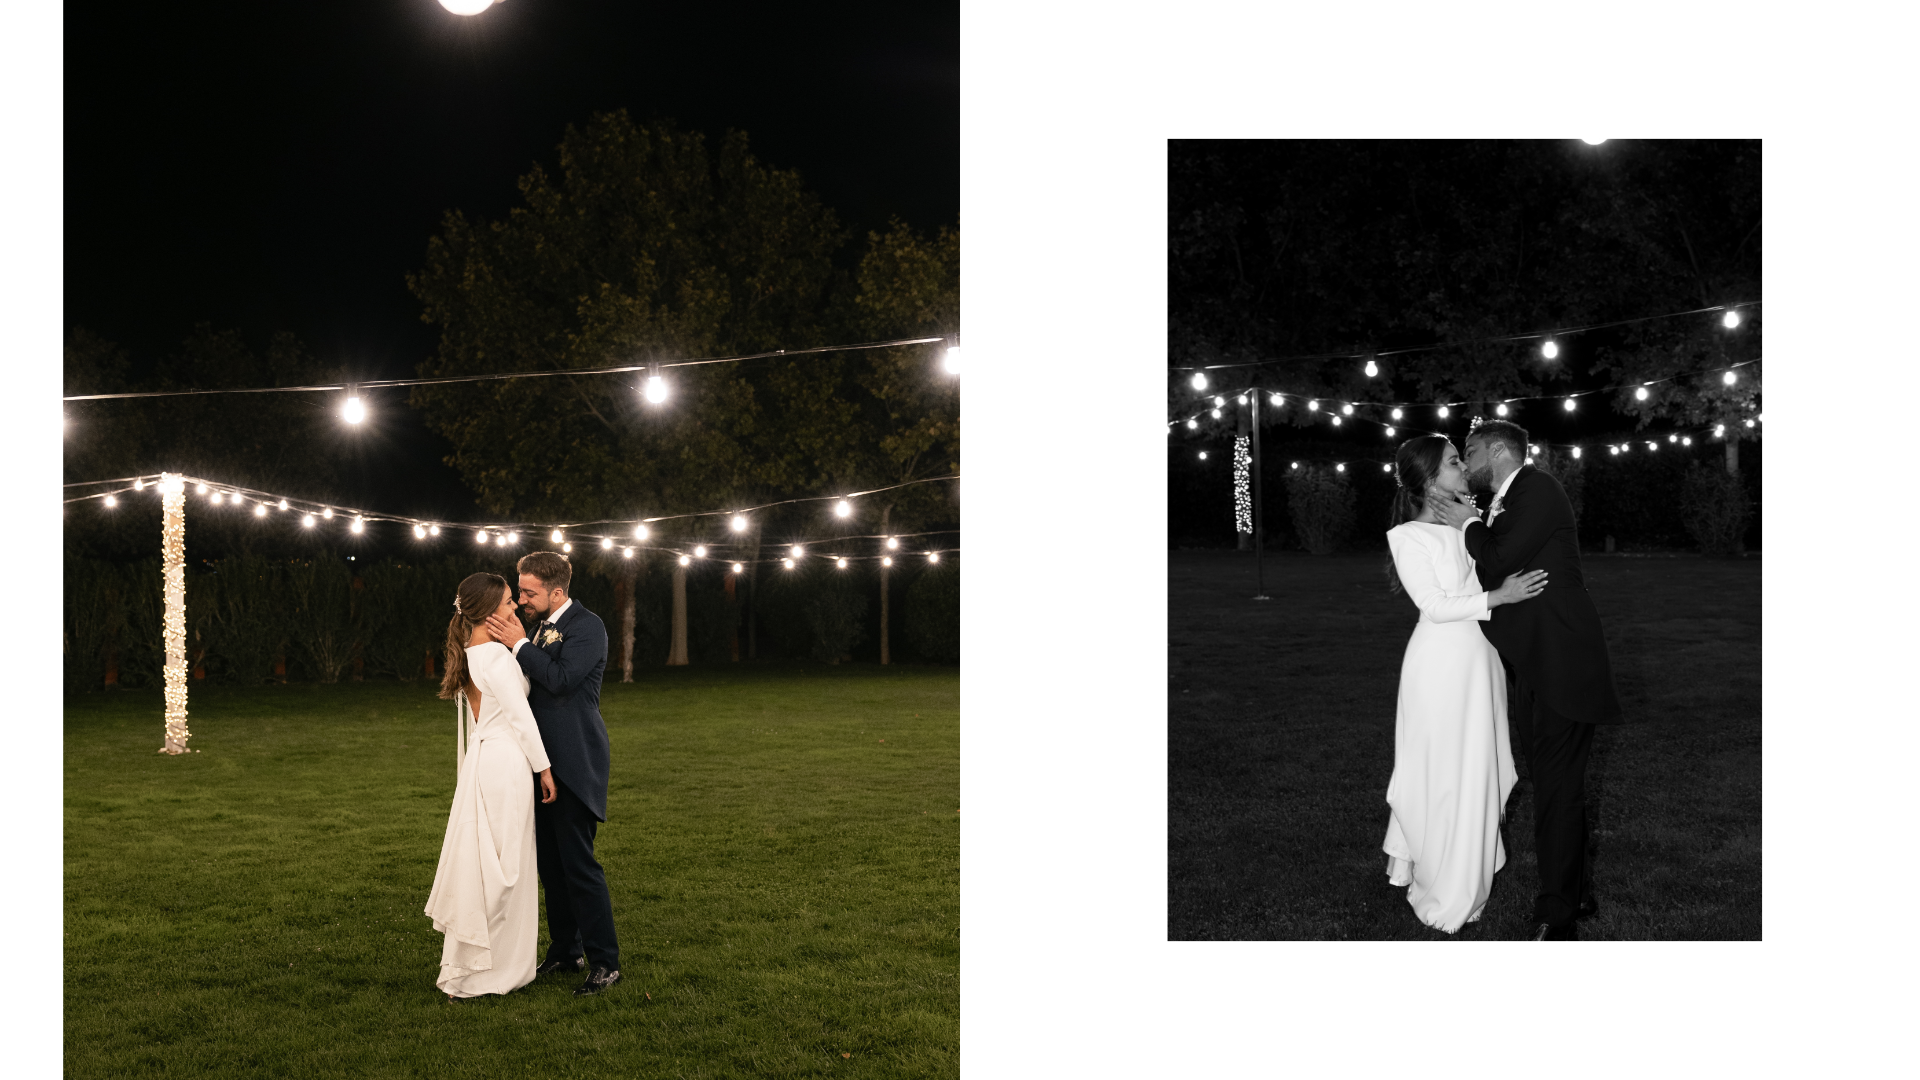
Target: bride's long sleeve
x,y
1413,560
502,679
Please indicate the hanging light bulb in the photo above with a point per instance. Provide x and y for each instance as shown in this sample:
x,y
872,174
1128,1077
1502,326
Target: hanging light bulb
x,y
354,412
1729,378
199,489
358,526
139,484
112,502
1759,417
1730,320
626,553
1396,414
1640,394
684,561
933,556
513,538
1372,369
1313,406
260,510
1533,449
797,552
1389,433
700,551
788,562
739,523
217,497
1568,404
640,532
1242,399
1278,399
953,359
1199,380
1192,424
893,543
555,538
1216,414
843,509
1219,402
568,548
738,569
842,564
1653,446
500,540
886,560
606,543
1347,409
1550,349
1295,465
1336,421
1500,409
419,532
1749,423
327,513
1673,438
1443,412
1340,467
481,536
1386,468
1614,450
306,521
1203,455
1687,441
433,530
1576,452
1720,430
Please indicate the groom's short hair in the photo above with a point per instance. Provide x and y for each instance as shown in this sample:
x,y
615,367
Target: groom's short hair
x,y
551,567
1510,435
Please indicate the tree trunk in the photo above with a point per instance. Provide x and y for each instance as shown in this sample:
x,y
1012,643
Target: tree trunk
x,y
886,650
677,655
623,602
112,678
1733,453
753,597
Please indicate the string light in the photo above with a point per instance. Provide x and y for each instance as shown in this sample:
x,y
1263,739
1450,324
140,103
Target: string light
x,y
893,543
1203,455
737,568
419,532
1242,490
260,510
684,561
842,564
173,591
1500,409
1749,423
139,484
1340,467
216,498
739,523
606,543
1653,446
627,553
1614,450
433,530
1347,409
327,513
1569,405
1372,369
1550,349
306,521
797,552
1386,468
700,552
568,548
656,387
640,532
1673,438
1242,399
843,508
1730,320
1336,421
358,526
1729,378
789,563
1278,400
481,536
933,556
953,359
1640,394
1390,433
112,502
1199,380
1192,424
199,489
886,560
1216,414
555,538
1443,412
1719,430
1576,452
1396,414
283,504
1313,406
1219,402
354,412
1686,440
513,538
1296,465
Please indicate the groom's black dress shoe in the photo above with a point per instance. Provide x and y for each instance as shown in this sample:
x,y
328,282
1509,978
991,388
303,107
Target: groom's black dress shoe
x,y
1550,932
576,964
599,980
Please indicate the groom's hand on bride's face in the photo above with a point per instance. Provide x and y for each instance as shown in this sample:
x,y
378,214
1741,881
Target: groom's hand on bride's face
x,y
505,630
1453,512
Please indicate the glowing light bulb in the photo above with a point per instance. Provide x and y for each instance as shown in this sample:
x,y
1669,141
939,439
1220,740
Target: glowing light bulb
x,y
1386,468
1719,429
886,560
568,548
1443,412
626,553
1340,467
217,497
893,543
1533,449
1653,446
306,521
1389,433
513,538
1567,405
1278,399
354,412
606,543
1673,438
1500,409
1749,423
797,552
1729,378
933,556
738,569
739,523
139,484
1216,414
1242,399
1550,349
1295,465
1347,409
327,513
466,7
260,510
555,537
953,359
480,536
1203,455
1614,450
1687,441
419,532
1219,402
112,502
433,530
1313,406
684,561
1759,416
1576,451
656,389
842,564
1593,142
640,532
788,562
1192,424
700,551
843,509
1336,421
1640,394
500,541
1199,380
358,525
1396,414
1372,369
199,489
1730,320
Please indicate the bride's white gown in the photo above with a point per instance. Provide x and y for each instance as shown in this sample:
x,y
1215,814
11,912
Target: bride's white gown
x,y
485,895
1452,764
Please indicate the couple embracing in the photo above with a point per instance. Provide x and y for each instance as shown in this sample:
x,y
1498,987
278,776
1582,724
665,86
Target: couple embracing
x,y
1510,589
529,716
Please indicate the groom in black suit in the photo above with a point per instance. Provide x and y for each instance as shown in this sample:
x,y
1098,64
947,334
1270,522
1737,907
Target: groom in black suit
x,y
1554,647
564,661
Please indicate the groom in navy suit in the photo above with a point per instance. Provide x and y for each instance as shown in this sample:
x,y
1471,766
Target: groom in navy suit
x,y
564,661
1554,646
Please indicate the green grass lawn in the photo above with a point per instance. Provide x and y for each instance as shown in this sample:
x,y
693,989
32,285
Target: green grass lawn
x,y
782,849
1280,745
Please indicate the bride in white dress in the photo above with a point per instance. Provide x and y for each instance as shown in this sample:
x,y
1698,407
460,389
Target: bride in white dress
x,y
485,897
1452,764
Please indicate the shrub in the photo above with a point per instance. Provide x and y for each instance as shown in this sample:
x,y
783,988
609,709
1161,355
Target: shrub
x,y
1321,505
933,613
1715,509
246,617
836,613
320,589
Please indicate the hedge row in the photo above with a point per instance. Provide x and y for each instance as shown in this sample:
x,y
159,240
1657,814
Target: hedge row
x,y
253,619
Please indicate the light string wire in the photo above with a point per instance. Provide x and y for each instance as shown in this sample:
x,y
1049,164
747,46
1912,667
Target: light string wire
x,y
1365,354
1396,427
374,384
629,543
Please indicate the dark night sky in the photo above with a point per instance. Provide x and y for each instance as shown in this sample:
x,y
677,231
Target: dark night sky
x,y
281,166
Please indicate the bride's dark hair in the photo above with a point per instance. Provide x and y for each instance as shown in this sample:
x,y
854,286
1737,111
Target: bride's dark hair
x,y
1414,467
478,596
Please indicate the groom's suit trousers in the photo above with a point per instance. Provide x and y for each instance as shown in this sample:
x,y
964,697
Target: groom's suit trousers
x,y
579,909
1557,751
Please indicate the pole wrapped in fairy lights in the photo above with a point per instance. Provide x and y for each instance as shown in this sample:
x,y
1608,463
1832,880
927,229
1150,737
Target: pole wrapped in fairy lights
x,y
1242,485
173,589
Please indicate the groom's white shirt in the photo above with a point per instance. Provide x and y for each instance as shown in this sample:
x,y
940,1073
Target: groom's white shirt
x,y
555,618
1493,510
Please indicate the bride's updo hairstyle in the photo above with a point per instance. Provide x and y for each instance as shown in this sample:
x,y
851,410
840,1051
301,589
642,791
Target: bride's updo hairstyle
x,y
479,596
1414,467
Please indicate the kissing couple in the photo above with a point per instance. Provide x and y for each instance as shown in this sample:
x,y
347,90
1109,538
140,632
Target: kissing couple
x,y
1507,589
525,706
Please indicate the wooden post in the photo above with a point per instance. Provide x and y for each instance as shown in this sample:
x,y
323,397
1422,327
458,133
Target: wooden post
x,y
677,655
173,590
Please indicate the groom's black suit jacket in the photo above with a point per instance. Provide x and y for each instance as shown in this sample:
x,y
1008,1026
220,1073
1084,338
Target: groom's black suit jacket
x,y
1553,640
565,699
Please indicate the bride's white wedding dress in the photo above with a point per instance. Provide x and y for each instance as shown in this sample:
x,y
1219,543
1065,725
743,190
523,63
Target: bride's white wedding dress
x,y
485,893
1452,764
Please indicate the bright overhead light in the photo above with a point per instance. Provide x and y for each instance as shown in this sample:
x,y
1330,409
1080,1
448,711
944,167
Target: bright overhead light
x,y
1313,406
797,552
419,532
1199,380
684,561
1340,467
1568,404
606,543
216,498
568,548
1576,451
306,521
481,536
700,552
466,7
513,538
1443,412
656,389
1730,320
433,530
327,513
1500,409
1372,369
1216,414
739,523
893,543
1396,414
788,562
1550,349
1729,378
627,553
1192,424
737,568
1336,421
639,532
283,504
1278,399
1203,455
555,538
141,485
842,564
260,510
358,526
112,502
843,508
886,560
1640,394
933,556
1389,433
953,359
354,412
1347,409
1386,468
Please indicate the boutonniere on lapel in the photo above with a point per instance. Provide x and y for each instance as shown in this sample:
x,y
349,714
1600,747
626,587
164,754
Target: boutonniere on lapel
x,y
549,636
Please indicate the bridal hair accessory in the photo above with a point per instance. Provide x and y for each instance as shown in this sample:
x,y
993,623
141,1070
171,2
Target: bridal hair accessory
x,y
456,605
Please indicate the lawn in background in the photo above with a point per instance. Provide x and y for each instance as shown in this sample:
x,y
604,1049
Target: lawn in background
x,y
782,850
1280,745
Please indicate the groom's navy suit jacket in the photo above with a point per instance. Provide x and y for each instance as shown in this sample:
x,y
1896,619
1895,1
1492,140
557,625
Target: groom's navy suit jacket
x,y
565,699
1553,640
